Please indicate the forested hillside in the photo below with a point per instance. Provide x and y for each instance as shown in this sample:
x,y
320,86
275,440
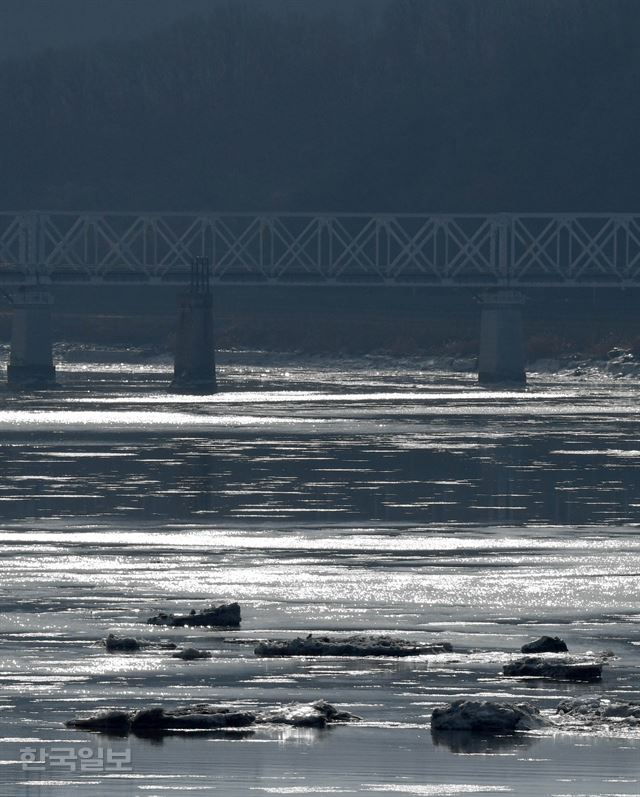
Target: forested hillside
x,y
454,105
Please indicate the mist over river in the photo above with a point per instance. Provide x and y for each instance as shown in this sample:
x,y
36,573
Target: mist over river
x,y
367,494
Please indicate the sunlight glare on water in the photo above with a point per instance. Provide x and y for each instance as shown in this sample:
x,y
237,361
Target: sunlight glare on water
x,y
352,496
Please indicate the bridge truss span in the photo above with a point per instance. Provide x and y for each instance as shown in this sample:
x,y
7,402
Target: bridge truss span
x,y
479,251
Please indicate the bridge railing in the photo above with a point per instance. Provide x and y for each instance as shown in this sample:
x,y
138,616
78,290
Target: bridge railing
x,y
517,250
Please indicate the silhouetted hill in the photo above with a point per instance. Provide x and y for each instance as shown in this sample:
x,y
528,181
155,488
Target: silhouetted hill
x,y
27,26
446,105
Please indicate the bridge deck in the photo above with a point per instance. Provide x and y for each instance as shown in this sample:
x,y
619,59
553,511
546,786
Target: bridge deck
x,y
456,250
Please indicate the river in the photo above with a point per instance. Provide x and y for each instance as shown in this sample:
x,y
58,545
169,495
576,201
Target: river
x,y
364,494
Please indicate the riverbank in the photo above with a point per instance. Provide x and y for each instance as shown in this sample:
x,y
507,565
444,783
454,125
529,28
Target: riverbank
x,y
617,363
348,320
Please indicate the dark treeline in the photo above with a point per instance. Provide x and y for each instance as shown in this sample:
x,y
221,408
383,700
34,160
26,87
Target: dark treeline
x,y
432,105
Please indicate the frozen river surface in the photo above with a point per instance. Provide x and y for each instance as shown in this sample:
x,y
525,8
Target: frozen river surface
x,y
347,495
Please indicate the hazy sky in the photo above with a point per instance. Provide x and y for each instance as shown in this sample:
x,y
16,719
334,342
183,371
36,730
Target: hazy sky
x,y
30,25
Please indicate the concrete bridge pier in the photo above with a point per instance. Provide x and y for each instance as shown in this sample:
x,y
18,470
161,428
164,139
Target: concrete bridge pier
x,y
501,357
194,364
31,360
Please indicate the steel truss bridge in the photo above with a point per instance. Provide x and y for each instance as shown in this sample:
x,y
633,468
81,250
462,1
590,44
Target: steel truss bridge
x,y
460,250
